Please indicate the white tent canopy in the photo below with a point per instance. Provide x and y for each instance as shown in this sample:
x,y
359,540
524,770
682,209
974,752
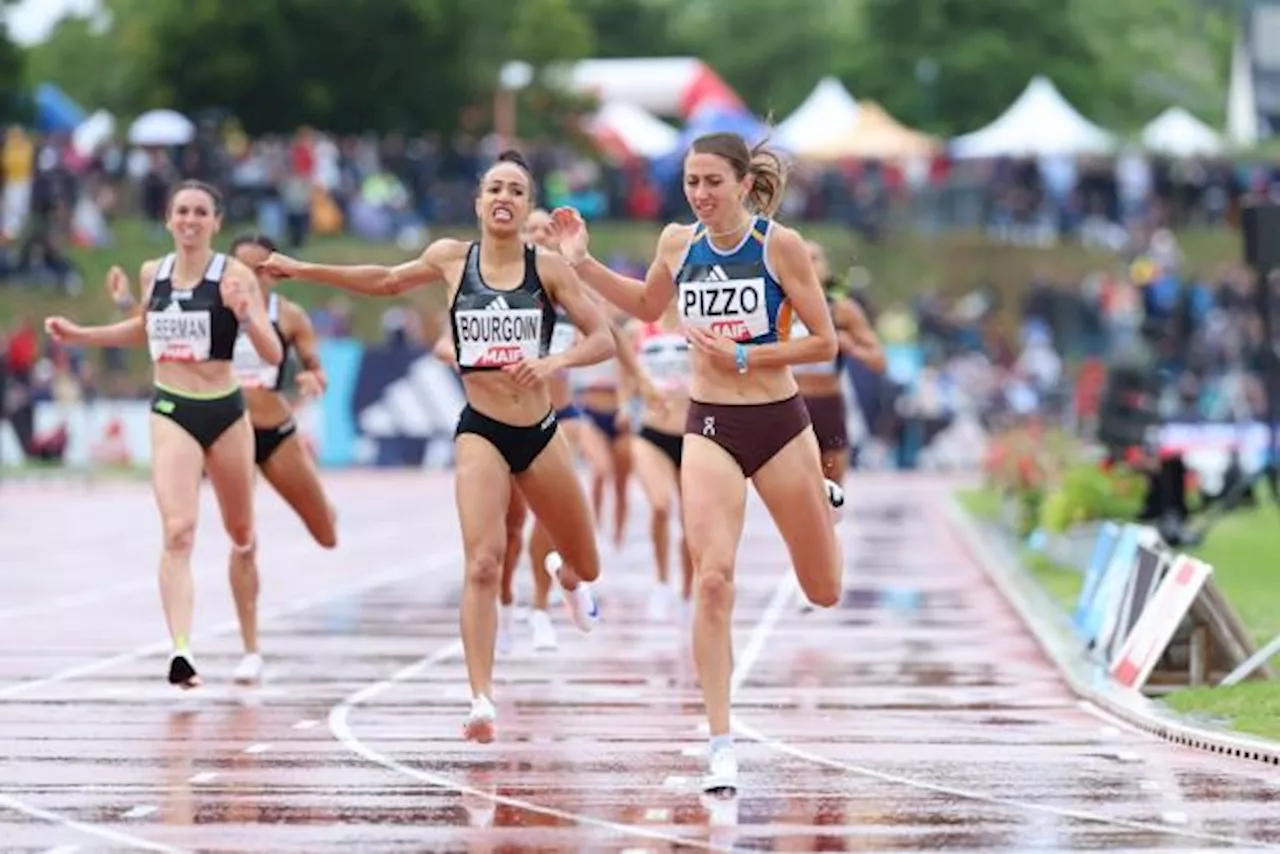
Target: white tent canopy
x,y
162,128
665,86
829,113
636,130
1177,133
1040,123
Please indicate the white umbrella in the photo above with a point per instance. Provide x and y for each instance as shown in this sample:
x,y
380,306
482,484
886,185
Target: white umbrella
x,y
162,127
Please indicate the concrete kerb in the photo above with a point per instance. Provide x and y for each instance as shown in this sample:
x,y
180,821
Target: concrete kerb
x,y
1086,678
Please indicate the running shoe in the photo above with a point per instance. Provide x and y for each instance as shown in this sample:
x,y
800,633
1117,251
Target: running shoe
x,y
480,723
249,670
722,773
182,671
544,633
579,602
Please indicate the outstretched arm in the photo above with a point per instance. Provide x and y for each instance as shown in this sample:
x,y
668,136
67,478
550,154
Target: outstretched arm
x,y
644,300
597,341
372,279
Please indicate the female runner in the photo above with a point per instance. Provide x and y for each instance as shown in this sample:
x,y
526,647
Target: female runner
x,y
819,382
664,358
600,391
278,451
539,229
196,303
738,278
502,309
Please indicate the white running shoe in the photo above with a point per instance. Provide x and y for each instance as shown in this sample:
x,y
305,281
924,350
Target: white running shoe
x,y
579,602
835,495
722,772
249,670
544,633
506,628
480,723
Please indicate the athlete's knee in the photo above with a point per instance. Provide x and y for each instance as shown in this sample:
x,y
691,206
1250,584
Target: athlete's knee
x,y
715,584
325,531
823,592
242,537
585,560
485,570
661,509
179,534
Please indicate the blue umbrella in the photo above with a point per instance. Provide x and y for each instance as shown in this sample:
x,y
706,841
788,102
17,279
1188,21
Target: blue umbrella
x,y
55,111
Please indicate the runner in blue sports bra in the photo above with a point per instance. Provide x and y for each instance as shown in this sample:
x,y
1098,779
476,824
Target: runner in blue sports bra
x,y
738,279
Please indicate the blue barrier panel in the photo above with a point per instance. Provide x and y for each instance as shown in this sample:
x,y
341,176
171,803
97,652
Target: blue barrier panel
x,y
1108,535
341,358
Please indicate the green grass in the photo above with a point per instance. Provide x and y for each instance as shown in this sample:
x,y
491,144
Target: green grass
x,y
1244,550
900,266
1253,707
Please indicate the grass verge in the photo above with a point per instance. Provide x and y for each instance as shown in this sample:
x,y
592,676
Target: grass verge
x,y
1244,550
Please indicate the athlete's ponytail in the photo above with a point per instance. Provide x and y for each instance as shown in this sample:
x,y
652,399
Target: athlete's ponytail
x,y
765,166
768,180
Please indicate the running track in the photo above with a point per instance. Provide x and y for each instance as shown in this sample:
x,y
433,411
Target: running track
x,y
919,715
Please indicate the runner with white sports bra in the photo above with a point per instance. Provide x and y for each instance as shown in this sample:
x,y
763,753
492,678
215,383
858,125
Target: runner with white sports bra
x,y
597,390
663,351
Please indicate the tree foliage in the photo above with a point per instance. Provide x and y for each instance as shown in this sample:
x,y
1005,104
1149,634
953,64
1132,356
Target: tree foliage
x,y
12,59
418,64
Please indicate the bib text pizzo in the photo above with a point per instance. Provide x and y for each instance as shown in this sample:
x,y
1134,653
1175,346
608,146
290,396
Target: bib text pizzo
x,y
490,339
732,309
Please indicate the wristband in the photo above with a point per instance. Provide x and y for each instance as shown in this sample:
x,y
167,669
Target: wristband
x,y
740,356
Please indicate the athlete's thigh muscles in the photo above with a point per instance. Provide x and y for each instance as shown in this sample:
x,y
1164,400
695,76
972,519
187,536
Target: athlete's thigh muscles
x,y
482,484
792,488
293,475
657,474
177,463
713,497
555,497
229,461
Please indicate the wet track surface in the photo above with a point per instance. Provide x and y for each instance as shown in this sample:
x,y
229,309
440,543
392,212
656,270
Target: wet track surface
x,y
918,715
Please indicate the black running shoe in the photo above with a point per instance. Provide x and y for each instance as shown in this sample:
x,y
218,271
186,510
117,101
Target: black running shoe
x,y
182,672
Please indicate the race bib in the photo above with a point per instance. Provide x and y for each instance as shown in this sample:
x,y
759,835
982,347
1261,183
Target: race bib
x,y
734,309
602,375
563,337
666,361
490,339
798,331
252,371
179,336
